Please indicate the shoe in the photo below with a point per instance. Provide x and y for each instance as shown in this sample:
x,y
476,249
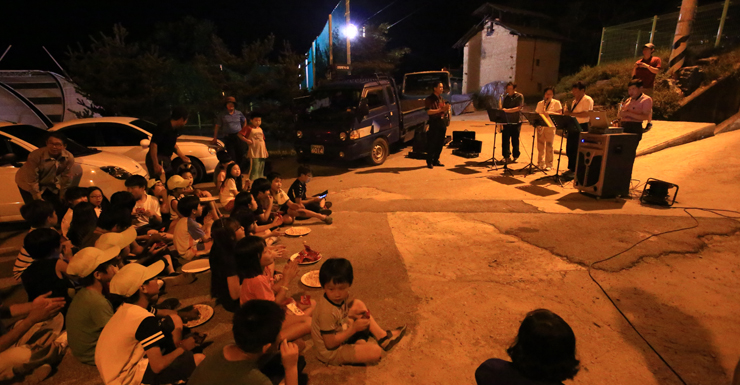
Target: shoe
x,y
328,220
39,374
548,168
327,205
429,165
325,212
515,159
437,164
508,160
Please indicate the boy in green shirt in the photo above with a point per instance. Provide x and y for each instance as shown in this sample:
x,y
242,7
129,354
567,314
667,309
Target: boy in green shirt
x,y
90,310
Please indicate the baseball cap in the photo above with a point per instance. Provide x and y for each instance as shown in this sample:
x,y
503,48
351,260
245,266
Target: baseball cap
x,y
151,182
88,259
119,240
230,99
649,45
128,280
176,181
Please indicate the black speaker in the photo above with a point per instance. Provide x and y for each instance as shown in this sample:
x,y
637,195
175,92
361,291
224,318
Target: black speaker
x,y
471,145
604,165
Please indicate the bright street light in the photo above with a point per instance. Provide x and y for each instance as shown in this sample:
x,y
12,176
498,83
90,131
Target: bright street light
x,y
351,31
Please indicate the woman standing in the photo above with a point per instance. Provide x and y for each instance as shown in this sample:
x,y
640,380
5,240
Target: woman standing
x,y
546,135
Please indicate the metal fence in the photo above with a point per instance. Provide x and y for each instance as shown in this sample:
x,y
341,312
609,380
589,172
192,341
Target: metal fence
x,y
626,40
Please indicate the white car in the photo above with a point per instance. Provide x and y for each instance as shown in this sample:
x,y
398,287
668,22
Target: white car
x,y
131,137
92,167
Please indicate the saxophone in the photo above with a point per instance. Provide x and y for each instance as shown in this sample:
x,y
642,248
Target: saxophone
x,y
618,121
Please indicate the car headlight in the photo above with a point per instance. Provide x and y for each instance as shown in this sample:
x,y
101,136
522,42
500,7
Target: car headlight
x,y
354,135
299,134
343,136
116,172
212,150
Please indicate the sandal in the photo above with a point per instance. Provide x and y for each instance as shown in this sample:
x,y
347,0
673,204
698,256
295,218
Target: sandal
x,y
392,341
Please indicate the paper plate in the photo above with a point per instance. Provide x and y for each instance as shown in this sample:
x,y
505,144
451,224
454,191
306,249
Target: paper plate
x,y
206,313
311,279
197,266
294,256
298,231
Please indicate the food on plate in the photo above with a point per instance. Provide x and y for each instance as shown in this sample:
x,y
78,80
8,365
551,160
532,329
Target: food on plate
x,y
312,279
308,255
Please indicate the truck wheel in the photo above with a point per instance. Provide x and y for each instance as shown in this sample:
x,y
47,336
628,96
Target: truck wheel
x,y
379,151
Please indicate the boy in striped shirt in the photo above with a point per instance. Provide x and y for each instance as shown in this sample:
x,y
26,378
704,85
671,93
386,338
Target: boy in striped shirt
x,y
40,215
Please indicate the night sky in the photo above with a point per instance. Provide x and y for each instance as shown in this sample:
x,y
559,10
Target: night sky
x,y
430,31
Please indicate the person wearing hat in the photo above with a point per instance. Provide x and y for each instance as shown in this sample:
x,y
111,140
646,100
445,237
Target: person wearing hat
x,y
177,185
152,250
164,143
90,310
137,350
646,69
231,122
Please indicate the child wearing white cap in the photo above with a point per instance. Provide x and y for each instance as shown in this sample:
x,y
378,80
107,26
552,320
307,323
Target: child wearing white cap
x,y
90,310
135,343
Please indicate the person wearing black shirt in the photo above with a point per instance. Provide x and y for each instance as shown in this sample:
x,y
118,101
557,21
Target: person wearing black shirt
x,y
511,104
438,110
164,144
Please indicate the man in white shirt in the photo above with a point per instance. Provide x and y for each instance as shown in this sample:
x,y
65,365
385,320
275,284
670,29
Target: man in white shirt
x,y
546,135
579,108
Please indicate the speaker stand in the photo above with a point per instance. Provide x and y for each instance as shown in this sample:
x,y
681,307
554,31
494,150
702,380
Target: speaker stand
x,y
531,165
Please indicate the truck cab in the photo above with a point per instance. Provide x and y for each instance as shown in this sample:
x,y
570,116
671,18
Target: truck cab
x,y
353,119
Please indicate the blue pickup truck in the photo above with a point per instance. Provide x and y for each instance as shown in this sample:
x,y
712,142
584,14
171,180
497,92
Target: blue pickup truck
x,y
355,118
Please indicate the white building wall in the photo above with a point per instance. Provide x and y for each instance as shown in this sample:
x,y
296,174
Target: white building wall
x,y
498,55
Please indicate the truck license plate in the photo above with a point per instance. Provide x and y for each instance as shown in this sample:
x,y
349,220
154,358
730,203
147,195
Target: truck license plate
x,y
319,150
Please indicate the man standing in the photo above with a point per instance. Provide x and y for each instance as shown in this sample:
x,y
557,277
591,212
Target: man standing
x,y
437,109
231,122
546,135
47,173
512,104
579,108
164,144
645,69
636,109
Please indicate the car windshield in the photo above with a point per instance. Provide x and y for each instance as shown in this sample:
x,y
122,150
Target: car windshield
x,y
338,100
144,125
423,84
37,137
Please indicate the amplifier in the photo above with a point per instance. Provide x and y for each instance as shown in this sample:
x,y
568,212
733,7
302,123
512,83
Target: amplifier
x,y
604,165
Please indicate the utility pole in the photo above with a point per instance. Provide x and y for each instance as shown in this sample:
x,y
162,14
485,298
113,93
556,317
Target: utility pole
x,y
683,30
349,52
331,43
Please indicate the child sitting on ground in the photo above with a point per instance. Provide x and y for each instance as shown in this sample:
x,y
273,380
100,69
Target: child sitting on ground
x,y
297,193
261,193
248,220
219,174
40,215
190,189
48,272
283,204
342,325
225,280
256,263
192,239
544,352
256,326
233,185
146,210
73,196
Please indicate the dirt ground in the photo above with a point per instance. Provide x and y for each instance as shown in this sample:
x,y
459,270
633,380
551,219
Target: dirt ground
x,y
461,258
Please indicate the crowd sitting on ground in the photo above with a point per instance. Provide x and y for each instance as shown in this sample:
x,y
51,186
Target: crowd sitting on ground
x,y
97,275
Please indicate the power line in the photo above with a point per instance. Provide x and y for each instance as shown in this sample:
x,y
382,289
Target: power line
x,y
381,10
405,17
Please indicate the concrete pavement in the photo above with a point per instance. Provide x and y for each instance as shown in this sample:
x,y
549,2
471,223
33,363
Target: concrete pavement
x,y
462,258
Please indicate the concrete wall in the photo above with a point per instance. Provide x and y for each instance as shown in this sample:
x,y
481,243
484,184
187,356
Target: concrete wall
x,y
471,64
498,56
537,65
714,104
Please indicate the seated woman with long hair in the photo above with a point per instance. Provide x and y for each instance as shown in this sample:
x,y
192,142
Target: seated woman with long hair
x,y
97,198
84,222
225,281
543,353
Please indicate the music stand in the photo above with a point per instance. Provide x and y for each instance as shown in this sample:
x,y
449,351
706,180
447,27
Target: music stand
x,y
567,124
535,120
498,117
